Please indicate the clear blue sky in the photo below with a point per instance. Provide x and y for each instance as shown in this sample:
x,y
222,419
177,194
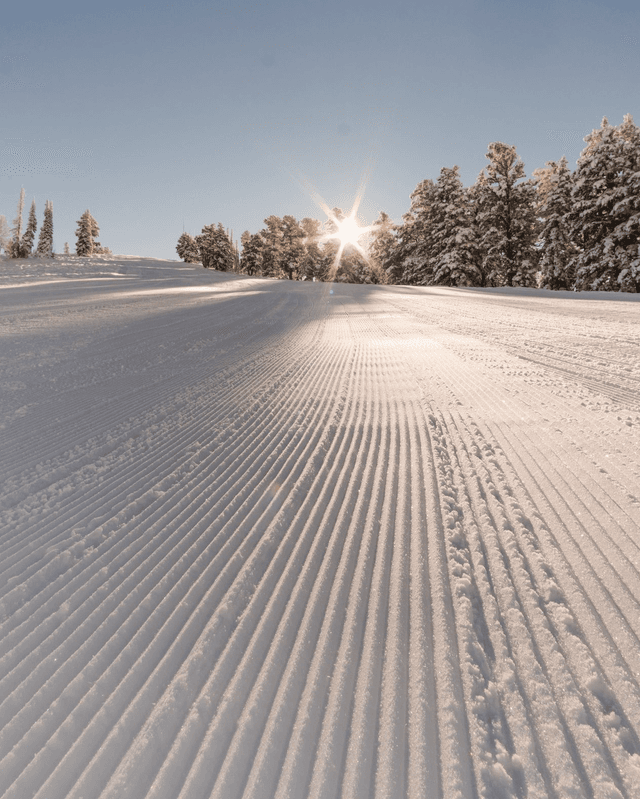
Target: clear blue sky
x,y
168,114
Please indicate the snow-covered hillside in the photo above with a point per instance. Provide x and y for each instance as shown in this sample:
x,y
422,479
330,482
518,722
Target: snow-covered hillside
x,y
273,539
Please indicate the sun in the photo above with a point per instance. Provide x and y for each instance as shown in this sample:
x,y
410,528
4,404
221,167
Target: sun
x,y
349,231
344,229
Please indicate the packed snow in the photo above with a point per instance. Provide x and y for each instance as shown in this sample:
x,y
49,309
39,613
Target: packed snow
x,y
266,538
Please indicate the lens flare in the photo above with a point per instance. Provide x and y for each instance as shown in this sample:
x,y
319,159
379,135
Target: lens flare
x,y
347,231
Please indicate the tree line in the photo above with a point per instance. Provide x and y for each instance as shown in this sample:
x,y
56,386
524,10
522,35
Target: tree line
x,y
284,248
17,242
558,229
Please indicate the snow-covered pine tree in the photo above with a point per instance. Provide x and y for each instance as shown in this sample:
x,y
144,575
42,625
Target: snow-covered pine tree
x,y
353,267
383,247
45,241
187,249
553,204
292,246
273,237
589,219
95,232
244,237
215,248
66,248
5,235
15,248
456,252
312,265
508,225
252,254
87,233
226,260
478,197
604,218
84,234
624,243
415,238
26,245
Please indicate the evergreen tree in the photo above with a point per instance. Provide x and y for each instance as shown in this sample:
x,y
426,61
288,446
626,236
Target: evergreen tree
x,y
95,232
15,246
216,250
187,249
604,217
84,244
45,241
553,204
623,245
292,246
589,218
415,238
312,264
478,197
26,245
354,268
5,235
455,246
66,248
252,253
244,238
383,247
273,237
508,227
87,233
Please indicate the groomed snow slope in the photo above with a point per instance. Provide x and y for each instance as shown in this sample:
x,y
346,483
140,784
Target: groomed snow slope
x,y
274,539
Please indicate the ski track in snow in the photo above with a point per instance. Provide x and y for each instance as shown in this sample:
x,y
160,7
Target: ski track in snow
x,y
271,539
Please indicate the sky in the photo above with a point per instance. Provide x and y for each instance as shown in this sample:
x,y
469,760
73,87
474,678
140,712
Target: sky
x,y
162,117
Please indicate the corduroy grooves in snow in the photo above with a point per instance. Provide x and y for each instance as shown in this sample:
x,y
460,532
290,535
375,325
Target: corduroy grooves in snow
x,y
275,539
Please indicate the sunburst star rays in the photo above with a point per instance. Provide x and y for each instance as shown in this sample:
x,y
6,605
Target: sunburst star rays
x,y
348,231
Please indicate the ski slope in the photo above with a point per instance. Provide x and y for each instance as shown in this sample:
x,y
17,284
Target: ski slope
x,y
265,538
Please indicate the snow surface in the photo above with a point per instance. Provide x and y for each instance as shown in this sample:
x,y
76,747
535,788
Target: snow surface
x,y
264,538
